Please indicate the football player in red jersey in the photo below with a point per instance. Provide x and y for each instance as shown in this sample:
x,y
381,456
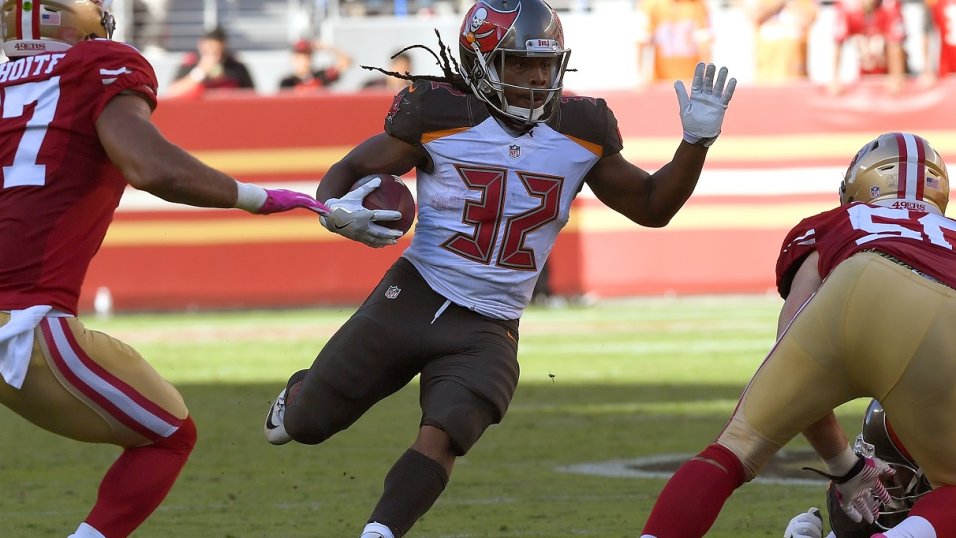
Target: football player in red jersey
x,y
75,131
869,311
499,155
875,29
939,34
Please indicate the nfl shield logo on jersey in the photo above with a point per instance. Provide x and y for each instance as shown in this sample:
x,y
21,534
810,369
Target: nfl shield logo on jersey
x,y
514,151
392,292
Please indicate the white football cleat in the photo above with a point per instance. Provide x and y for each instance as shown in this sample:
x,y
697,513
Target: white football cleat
x,y
274,427
376,530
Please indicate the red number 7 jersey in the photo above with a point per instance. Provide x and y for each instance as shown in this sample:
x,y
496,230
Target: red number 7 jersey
x,y
59,189
923,240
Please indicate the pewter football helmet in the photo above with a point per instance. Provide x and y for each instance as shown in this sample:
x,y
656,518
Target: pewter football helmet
x,y
905,486
495,31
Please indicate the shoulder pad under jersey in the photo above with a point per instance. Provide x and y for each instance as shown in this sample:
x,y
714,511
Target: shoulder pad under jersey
x,y
590,120
428,107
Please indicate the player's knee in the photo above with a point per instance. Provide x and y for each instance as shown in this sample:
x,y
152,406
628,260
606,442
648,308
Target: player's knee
x,y
728,460
182,440
313,424
464,425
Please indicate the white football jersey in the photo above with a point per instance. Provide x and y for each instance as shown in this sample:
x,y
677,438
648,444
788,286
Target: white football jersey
x,y
490,204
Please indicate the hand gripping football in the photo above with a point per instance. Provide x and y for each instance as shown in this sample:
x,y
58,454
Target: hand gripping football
x,y
392,195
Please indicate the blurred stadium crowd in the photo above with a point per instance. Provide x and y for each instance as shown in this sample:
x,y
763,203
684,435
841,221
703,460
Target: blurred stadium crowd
x,y
618,44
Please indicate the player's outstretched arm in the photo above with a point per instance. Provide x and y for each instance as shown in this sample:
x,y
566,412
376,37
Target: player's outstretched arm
x,y
653,199
151,163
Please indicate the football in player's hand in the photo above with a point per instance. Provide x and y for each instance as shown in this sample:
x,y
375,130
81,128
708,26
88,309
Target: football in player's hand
x,y
392,195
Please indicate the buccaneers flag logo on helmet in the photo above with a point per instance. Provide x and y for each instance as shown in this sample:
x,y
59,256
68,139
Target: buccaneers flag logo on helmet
x,y
486,27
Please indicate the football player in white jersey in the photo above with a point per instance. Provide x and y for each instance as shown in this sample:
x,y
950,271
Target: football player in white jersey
x,y
870,302
500,155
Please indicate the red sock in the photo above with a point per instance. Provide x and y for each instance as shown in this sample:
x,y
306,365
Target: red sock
x,y
139,480
937,508
693,497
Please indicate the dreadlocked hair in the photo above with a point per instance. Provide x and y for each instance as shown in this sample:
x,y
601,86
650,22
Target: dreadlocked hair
x,y
451,71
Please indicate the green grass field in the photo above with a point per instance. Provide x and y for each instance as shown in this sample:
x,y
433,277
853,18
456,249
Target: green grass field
x,y
615,381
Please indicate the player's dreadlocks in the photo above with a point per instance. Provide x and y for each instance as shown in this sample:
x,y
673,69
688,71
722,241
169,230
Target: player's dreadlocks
x,y
444,60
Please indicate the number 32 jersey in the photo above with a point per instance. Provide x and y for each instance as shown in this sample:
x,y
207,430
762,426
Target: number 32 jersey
x,y
59,189
490,204
924,241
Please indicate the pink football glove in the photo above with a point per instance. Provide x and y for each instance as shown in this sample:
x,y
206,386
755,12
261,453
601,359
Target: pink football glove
x,y
861,492
278,200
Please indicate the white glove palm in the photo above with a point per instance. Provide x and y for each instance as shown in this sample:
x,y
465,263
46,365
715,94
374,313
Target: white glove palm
x,y
702,112
861,492
806,525
348,217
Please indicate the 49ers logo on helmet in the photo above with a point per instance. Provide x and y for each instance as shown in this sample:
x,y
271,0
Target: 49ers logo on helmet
x,y
486,26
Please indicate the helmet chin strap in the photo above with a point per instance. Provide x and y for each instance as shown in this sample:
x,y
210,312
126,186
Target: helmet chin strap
x,y
525,113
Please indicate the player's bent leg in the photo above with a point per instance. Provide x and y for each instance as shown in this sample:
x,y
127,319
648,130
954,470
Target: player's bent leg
x,y
139,480
412,486
274,426
90,387
453,419
314,411
359,366
704,483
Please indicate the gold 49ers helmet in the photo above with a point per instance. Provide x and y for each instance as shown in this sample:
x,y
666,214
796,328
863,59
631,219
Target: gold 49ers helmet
x,y
898,167
38,26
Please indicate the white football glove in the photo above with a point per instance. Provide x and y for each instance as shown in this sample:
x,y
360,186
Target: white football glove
x,y
348,217
806,525
861,492
702,113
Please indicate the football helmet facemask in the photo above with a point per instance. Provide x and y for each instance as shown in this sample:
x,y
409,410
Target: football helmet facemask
x,y
39,26
492,34
905,486
897,170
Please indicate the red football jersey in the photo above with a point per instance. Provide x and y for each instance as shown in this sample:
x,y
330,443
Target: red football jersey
x,y
59,189
883,25
922,240
943,13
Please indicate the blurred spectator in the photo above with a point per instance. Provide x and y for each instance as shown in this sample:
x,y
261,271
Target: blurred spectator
x,y
212,66
304,77
940,30
400,63
149,24
679,34
875,29
780,41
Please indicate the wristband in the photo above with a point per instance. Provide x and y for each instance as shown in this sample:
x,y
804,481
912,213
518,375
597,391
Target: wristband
x,y
197,74
706,142
250,197
844,462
